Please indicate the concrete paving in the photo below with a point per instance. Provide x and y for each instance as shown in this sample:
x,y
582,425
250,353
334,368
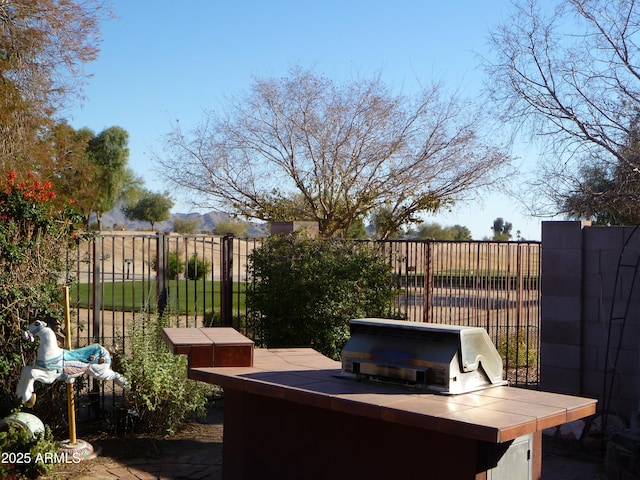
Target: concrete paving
x,y
558,463
567,460
184,468
199,457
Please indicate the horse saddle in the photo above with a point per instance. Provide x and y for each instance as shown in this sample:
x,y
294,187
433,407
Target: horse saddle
x,y
90,354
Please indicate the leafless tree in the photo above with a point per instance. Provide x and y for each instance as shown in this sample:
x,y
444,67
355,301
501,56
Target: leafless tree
x,y
568,73
44,46
305,148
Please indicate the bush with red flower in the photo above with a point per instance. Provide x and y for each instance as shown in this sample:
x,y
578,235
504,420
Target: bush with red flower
x,y
35,240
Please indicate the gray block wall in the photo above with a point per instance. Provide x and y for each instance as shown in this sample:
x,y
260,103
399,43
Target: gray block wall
x,y
311,228
590,313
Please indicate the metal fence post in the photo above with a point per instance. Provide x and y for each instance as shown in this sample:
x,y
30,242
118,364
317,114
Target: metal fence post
x,y
162,272
97,297
427,284
226,280
94,394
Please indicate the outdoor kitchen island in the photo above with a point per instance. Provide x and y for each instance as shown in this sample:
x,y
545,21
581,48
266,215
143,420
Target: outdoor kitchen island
x,y
290,414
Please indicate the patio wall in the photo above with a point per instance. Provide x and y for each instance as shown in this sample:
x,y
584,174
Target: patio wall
x,y
590,313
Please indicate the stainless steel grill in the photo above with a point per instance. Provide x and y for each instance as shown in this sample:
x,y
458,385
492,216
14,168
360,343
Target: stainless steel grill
x,y
441,358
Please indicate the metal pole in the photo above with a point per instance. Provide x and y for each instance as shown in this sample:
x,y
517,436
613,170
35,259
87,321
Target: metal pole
x,y
226,280
97,297
162,272
74,449
427,312
71,408
97,310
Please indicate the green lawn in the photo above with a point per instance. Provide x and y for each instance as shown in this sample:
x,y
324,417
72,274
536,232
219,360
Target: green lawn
x,y
201,296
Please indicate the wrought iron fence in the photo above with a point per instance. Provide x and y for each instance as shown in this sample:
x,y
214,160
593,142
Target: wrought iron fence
x,y
487,284
200,280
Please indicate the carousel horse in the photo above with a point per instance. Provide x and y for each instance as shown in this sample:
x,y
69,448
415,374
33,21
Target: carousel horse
x,y
53,363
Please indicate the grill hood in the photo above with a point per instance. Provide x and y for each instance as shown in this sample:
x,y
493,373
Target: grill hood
x,y
427,356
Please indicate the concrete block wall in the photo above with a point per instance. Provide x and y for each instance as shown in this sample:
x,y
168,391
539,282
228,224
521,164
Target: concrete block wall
x,y
583,288
312,228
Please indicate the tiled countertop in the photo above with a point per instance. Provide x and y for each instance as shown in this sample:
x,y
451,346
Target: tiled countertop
x,y
302,375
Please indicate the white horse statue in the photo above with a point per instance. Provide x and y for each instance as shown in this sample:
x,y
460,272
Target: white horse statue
x,y
53,363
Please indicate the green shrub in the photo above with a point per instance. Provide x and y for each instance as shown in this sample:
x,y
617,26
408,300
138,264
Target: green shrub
x,y
516,348
186,226
213,318
306,291
176,265
33,454
161,396
35,239
232,226
197,268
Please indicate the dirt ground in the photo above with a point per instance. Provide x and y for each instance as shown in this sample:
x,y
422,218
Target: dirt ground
x,y
196,446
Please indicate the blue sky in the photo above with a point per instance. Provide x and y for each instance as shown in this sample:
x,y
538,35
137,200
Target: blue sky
x,y
163,61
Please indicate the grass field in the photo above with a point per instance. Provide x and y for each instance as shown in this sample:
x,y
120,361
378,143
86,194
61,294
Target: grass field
x,y
184,296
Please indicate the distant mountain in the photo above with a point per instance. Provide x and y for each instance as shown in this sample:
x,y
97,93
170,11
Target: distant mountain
x,y
116,220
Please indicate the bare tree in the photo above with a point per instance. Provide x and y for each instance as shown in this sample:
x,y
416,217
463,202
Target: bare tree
x,y
568,72
44,45
304,147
